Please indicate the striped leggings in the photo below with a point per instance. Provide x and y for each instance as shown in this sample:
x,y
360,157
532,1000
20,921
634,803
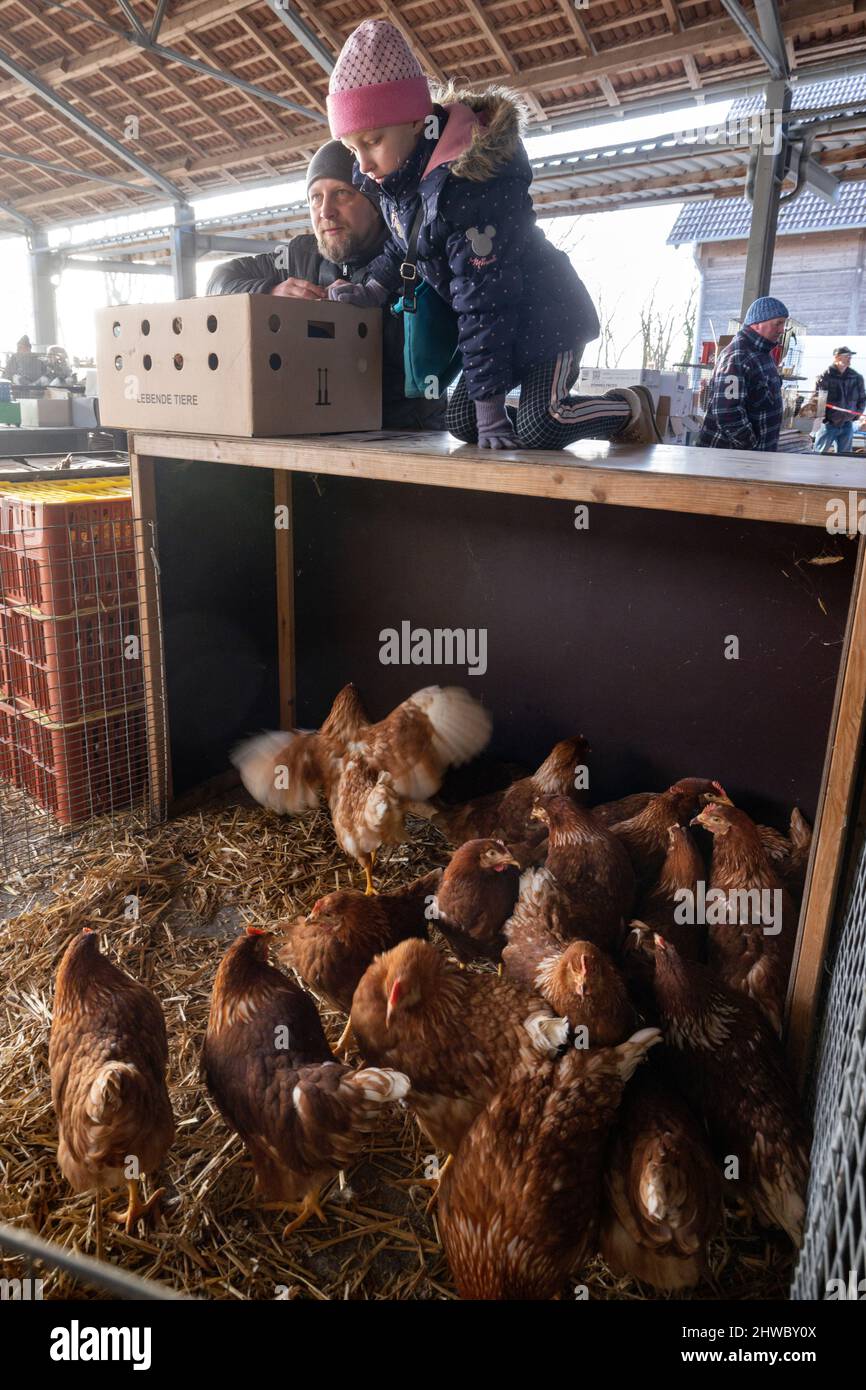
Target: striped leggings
x,y
547,417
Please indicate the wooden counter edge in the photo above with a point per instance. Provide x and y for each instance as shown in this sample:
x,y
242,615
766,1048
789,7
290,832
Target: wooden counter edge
x,y
573,480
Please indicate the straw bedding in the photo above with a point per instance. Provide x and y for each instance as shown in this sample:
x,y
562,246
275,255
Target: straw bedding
x,y
198,880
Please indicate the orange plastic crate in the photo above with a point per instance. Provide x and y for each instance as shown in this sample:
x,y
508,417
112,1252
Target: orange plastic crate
x,y
92,767
68,545
73,664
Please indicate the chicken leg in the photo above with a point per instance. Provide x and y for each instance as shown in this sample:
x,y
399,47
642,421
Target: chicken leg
x,y
309,1207
369,861
436,1183
136,1209
345,1039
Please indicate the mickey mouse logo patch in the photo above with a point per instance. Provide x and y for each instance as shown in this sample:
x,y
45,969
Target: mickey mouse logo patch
x,y
482,245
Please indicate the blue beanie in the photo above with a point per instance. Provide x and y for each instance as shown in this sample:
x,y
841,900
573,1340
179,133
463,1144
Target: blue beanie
x,y
763,309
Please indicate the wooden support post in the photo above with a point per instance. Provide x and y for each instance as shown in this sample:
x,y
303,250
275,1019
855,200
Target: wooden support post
x,y
141,471
834,808
285,595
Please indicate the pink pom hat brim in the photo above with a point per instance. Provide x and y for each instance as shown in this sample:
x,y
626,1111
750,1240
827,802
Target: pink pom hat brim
x,y
383,103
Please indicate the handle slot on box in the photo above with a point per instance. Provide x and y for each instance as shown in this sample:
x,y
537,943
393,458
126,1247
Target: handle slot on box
x,y
316,328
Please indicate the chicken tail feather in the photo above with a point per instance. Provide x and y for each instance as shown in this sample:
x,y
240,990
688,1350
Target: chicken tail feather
x,y
548,1034
381,1084
632,1052
280,769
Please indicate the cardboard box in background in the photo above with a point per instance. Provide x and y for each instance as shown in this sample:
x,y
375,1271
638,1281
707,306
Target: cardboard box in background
x,y
36,413
243,364
594,381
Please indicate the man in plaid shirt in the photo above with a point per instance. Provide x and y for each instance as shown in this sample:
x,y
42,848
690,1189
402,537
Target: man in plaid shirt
x,y
744,410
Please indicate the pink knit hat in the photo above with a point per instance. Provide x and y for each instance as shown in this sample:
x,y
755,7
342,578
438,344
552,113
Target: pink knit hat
x,y
377,81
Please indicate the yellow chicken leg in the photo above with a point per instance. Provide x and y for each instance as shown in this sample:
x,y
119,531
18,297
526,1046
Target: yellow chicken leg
x,y
369,861
345,1039
438,1183
136,1210
309,1207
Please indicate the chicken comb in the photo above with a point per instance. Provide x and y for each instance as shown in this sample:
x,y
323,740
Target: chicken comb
x,y
256,931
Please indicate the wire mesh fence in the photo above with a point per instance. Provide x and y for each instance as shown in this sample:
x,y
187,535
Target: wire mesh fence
x,y
77,715
832,1262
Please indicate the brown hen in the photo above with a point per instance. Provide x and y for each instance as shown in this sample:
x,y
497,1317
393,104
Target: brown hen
x,y
506,815
751,945
590,868
664,906
788,854
730,1066
301,1114
519,1206
645,834
332,946
108,1056
663,1189
475,899
456,1034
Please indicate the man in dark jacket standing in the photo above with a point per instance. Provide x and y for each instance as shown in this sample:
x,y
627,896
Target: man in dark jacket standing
x,y
846,401
348,233
745,397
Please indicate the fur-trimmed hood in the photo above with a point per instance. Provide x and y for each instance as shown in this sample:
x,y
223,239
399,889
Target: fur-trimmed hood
x,y
483,132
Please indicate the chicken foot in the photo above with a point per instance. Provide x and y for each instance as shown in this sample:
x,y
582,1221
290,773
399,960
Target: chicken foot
x,y
136,1209
436,1184
309,1207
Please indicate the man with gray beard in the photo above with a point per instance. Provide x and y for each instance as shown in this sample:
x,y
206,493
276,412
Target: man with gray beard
x,y
348,233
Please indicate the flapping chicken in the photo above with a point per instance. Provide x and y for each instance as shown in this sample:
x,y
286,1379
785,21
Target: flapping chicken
x,y
731,1068
663,1188
788,854
506,815
751,944
332,946
645,834
456,1034
591,871
664,907
301,1114
475,898
108,1056
519,1206
369,773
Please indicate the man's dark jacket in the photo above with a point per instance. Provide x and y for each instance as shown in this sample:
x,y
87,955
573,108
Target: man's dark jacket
x,y
845,389
259,274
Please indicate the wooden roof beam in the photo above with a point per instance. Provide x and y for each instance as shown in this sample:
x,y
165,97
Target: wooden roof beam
x,y
578,27
716,35
311,97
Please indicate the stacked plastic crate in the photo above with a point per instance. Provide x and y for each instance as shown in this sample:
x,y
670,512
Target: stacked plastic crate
x,y
72,714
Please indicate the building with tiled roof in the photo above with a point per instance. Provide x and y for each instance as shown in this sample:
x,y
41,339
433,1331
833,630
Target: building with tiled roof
x,y
820,254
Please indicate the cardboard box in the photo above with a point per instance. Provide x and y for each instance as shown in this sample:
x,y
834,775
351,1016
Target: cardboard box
x,y
242,364
45,412
595,381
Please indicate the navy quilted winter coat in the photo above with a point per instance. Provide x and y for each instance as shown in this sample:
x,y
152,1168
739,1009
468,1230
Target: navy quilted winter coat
x,y
518,299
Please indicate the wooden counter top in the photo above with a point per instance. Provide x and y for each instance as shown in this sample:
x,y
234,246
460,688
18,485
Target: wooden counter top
x,y
714,482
